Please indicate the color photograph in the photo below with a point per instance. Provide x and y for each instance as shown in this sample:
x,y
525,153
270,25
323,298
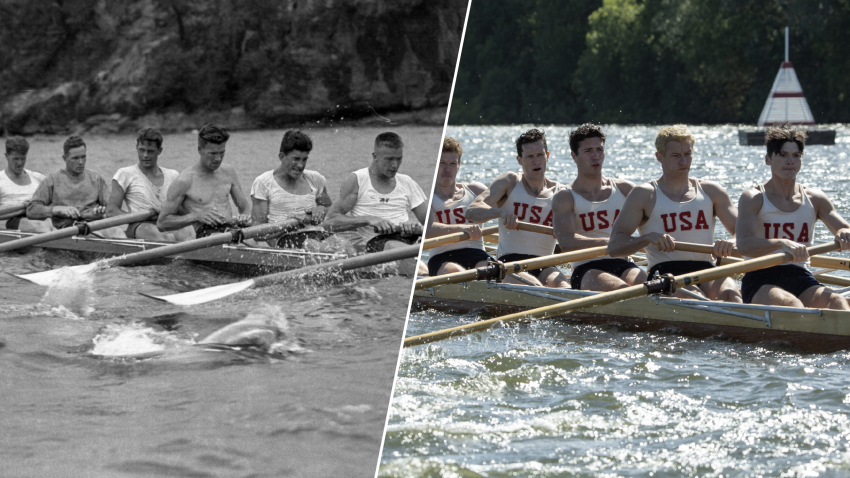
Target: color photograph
x,y
210,216
636,256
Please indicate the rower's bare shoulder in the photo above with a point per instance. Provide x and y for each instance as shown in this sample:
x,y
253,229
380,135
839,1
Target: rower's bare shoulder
x,y
817,196
624,185
563,200
712,188
645,191
476,187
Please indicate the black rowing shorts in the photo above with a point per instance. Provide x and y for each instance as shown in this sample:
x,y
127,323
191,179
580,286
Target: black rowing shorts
x,y
788,277
466,258
615,267
678,268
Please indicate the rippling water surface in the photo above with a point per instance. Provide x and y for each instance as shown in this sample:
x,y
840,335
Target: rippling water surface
x,y
98,381
557,398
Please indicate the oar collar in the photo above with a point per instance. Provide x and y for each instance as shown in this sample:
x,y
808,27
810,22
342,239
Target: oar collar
x,y
663,284
83,228
494,271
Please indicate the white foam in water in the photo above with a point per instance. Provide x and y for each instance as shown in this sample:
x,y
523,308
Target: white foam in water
x,y
70,290
130,340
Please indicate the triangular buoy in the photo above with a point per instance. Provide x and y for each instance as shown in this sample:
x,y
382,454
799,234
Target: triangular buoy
x,y
786,102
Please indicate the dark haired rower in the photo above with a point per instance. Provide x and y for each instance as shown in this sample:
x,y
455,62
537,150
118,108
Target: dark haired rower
x,y
291,191
200,196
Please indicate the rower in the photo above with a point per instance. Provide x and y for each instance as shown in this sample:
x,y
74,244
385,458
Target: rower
x,y
18,184
292,192
72,194
448,209
528,197
200,196
143,187
674,208
378,201
584,213
780,215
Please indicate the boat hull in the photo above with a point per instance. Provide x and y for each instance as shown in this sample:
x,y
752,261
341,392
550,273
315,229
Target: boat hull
x,y
824,333
230,258
756,138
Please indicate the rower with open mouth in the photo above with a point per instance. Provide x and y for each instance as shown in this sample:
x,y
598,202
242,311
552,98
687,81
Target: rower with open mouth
x,y
584,213
780,215
292,191
380,208
17,185
200,196
525,196
73,193
143,187
449,203
677,207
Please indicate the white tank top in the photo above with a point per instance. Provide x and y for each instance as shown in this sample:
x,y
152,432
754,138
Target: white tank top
x,y
594,219
454,212
690,221
392,206
529,209
798,226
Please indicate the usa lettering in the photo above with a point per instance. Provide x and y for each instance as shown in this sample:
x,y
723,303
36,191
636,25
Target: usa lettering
x,y
786,230
685,222
534,214
448,215
590,220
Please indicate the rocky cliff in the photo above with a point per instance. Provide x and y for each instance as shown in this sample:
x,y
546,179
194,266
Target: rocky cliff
x,y
76,65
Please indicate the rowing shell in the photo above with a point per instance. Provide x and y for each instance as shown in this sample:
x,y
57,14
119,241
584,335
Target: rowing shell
x,y
232,258
812,330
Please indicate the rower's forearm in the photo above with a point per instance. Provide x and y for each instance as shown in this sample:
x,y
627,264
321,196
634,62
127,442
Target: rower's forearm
x,y
755,247
439,230
482,213
342,223
624,245
174,222
39,210
580,242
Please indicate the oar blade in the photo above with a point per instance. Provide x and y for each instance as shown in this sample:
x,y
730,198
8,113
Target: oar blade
x,y
201,296
46,278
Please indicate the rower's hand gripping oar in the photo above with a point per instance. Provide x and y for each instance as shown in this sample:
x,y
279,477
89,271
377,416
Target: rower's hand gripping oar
x,y
201,296
666,285
231,236
78,229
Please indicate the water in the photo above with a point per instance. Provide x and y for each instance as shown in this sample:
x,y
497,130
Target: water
x,y
557,398
98,381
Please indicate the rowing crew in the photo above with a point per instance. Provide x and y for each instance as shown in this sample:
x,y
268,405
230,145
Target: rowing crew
x,y
379,207
595,210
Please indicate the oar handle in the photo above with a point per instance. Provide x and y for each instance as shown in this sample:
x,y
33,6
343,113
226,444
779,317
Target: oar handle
x,y
454,238
11,210
701,248
617,295
513,267
77,229
202,243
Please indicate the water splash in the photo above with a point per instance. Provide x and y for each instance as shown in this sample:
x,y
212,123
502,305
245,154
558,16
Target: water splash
x,y
70,290
132,340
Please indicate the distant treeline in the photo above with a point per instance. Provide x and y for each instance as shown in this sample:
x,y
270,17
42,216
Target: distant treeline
x,y
652,61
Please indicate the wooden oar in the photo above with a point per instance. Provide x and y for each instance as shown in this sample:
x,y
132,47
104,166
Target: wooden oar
x,y
665,285
462,236
78,229
453,238
47,277
816,261
498,270
11,211
201,296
